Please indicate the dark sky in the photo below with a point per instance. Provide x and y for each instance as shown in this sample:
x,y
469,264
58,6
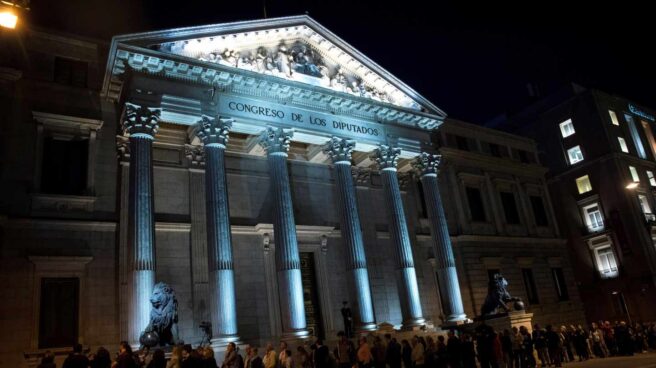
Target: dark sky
x,y
471,59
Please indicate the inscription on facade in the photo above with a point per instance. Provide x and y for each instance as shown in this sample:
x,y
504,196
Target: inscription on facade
x,y
299,118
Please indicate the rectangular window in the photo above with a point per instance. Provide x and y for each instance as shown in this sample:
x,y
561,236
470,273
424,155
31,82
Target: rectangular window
x,y
509,207
644,204
634,174
58,313
559,283
64,166
652,180
462,143
539,211
606,263
494,150
71,72
529,285
583,184
593,217
523,156
575,155
567,128
635,136
613,117
650,137
623,145
476,204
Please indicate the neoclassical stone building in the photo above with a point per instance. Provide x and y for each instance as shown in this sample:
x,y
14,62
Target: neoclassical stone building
x,y
267,171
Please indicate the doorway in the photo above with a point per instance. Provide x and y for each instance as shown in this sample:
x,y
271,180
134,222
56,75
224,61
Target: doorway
x,y
311,295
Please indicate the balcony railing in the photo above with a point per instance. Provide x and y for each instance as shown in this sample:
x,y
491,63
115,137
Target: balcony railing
x,y
609,273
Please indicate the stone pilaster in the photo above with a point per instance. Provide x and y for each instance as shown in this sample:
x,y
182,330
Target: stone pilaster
x,y
288,264
340,151
140,123
427,168
387,157
213,132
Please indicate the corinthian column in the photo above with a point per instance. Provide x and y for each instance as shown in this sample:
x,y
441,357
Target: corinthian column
x,y
387,157
213,132
140,123
427,168
288,264
340,151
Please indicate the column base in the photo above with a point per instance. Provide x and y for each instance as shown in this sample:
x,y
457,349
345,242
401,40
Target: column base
x,y
454,323
223,341
294,336
457,319
365,328
414,325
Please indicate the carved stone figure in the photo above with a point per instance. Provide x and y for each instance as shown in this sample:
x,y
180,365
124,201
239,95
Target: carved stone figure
x,y
282,61
305,61
261,59
498,297
338,81
164,315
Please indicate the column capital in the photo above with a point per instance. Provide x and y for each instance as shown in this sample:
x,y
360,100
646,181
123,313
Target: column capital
x,y
140,120
386,157
340,149
213,130
427,164
276,140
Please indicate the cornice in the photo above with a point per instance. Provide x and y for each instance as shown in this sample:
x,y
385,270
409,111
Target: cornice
x,y
458,157
222,78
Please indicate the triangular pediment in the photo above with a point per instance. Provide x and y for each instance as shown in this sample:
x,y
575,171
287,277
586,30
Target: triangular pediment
x,y
293,48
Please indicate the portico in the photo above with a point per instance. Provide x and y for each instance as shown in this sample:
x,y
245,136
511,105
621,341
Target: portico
x,y
283,86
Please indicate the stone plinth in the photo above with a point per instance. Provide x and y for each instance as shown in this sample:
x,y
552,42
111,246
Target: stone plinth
x,y
510,320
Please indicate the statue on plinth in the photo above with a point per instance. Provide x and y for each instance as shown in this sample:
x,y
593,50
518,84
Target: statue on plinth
x,y
163,326
498,298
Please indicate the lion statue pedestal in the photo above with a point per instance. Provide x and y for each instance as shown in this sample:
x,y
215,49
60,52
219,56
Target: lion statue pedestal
x,y
510,320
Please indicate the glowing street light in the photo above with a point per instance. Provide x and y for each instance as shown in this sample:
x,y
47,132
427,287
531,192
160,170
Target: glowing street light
x,y
8,19
10,10
632,185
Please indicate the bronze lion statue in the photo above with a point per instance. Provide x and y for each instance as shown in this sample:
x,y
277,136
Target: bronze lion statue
x,y
164,315
498,297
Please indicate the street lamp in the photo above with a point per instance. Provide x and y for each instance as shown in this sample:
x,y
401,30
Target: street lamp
x,y
10,11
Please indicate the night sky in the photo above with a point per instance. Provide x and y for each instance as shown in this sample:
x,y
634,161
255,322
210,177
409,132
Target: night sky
x,y
473,60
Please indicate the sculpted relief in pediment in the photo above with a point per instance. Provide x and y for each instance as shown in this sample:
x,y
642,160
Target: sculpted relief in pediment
x,y
296,60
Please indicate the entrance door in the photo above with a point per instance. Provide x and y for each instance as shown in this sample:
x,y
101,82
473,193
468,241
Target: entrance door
x,y
311,295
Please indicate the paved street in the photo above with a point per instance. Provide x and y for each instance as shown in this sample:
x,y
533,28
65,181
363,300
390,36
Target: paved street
x,y
637,361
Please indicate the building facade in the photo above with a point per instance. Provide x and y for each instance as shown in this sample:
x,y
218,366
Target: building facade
x,y
601,153
267,172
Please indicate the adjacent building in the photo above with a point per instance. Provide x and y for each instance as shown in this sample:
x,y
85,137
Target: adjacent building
x,y
266,171
601,154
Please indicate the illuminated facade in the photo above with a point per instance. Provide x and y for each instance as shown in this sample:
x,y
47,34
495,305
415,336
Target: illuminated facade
x,y
601,153
266,171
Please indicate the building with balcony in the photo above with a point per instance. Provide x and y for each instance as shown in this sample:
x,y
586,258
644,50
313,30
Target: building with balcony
x,y
601,154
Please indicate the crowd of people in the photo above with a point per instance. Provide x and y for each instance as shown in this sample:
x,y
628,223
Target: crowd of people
x,y
483,347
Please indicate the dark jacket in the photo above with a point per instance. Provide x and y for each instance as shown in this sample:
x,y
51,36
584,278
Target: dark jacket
x,y
76,360
125,361
257,362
